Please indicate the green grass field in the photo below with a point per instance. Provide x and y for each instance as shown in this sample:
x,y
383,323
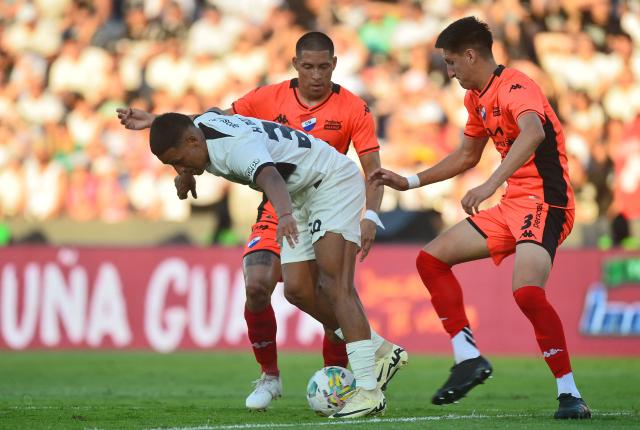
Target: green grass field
x,y
139,390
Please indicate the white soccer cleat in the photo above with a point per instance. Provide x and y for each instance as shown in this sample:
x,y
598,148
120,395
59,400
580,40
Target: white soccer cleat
x,y
363,403
387,366
268,388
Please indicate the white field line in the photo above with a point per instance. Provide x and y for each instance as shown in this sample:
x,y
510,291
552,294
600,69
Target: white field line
x,y
369,421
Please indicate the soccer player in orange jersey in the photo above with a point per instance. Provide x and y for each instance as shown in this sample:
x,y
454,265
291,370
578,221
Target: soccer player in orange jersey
x,y
314,104
533,218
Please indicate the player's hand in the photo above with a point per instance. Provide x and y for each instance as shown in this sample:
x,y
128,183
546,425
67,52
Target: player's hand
x,y
381,177
287,227
367,236
471,201
185,183
135,119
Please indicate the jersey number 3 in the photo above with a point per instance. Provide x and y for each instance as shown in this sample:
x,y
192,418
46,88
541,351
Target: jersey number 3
x,y
270,128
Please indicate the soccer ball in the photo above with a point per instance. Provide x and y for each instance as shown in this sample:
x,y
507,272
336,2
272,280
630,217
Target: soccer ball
x,y
328,389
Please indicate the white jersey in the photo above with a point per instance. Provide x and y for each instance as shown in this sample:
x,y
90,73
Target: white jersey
x,y
239,147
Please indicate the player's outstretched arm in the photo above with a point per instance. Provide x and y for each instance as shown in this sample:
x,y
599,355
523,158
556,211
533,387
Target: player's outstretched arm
x,y
135,119
462,159
271,182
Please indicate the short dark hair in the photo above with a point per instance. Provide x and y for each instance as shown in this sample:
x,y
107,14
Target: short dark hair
x,y
465,33
314,41
167,130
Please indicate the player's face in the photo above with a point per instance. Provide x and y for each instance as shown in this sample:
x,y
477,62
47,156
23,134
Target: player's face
x,y
459,67
189,157
314,73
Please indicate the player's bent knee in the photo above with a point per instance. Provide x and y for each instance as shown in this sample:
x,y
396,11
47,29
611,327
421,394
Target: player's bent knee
x,y
258,294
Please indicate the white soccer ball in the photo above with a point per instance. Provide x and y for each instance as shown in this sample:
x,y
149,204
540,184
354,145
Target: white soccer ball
x,y
328,388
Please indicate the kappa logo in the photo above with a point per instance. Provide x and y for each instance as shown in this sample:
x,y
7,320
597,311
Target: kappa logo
x,y
516,87
254,242
282,119
366,109
332,125
527,234
552,352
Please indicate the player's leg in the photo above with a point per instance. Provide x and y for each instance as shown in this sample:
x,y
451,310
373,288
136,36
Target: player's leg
x,y
335,257
534,258
463,242
261,269
301,278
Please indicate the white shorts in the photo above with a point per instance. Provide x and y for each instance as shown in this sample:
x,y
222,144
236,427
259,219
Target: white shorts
x,y
335,206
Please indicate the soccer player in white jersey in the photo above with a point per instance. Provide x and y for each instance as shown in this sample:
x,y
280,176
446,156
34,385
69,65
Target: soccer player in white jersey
x,y
310,184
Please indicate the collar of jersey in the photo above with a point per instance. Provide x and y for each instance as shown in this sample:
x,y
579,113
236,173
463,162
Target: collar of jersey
x,y
496,73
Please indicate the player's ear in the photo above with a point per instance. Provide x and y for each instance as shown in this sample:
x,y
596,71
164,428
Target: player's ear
x,y
294,62
334,61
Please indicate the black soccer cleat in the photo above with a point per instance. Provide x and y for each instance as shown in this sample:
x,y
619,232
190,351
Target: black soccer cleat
x,y
464,376
570,407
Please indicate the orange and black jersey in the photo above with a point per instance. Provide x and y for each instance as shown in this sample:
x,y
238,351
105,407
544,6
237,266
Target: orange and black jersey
x,y
340,119
494,112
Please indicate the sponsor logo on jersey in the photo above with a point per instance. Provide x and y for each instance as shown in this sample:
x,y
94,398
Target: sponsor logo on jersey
x,y
516,87
252,168
496,111
282,119
309,124
332,125
253,242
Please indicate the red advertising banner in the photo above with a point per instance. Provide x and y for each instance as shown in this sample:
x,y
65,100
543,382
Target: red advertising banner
x,y
171,298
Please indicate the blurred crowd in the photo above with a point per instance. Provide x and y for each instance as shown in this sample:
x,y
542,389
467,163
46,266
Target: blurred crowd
x,y
65,65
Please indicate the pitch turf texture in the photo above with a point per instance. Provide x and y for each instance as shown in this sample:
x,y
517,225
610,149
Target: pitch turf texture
x,y
135,390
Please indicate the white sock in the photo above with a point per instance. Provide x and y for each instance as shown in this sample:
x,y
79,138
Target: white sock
x,y
377,340
361,358
566,384
464,346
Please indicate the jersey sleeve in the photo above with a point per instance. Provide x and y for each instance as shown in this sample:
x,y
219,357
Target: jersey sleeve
x,y
249,104
363,134
247,159
475,126
521,97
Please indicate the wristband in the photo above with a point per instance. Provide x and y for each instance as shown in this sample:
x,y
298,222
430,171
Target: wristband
x,y
372,216
414,181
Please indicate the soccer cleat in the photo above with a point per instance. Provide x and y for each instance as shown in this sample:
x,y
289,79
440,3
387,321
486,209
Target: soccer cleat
x,y
571,408
268,388
464,376
387,366
363,403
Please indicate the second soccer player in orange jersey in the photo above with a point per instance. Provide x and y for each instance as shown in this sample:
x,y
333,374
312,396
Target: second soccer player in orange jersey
x,y
533,218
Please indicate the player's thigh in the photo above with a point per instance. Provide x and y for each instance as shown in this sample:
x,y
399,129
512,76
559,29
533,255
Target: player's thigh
x,y
261,269
532,265
300,279
336,258
460,243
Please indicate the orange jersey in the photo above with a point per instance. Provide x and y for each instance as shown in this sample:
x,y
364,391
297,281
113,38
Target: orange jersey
x,y
494,112
340,119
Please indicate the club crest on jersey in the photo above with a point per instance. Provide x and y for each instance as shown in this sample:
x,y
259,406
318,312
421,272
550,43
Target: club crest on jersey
x,y
309,124
254,242
483,112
